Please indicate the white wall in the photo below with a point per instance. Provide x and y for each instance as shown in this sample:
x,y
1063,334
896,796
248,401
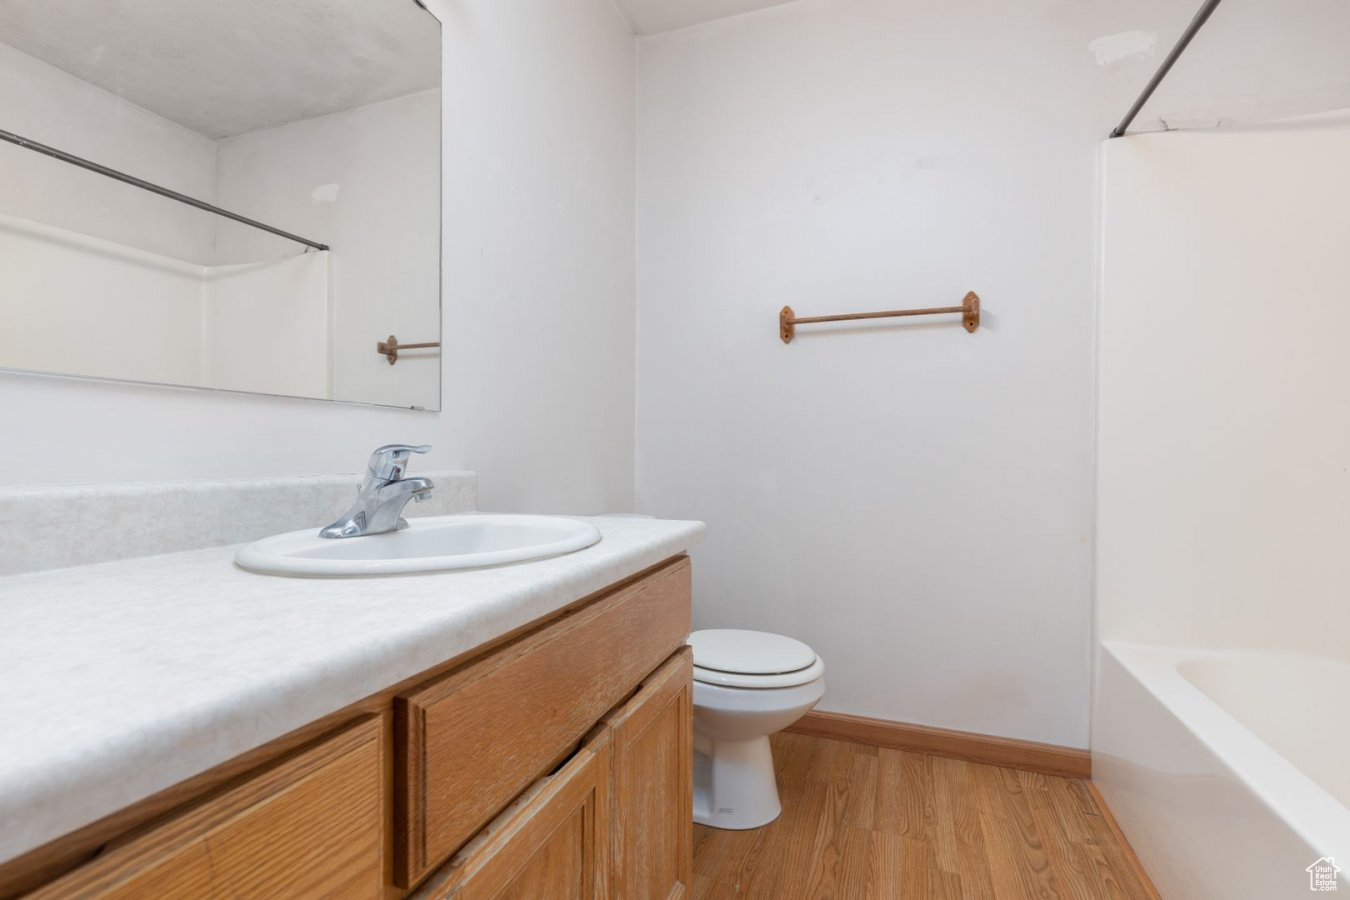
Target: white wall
x,y
538,132
1224,449
539,268
365,181
913,501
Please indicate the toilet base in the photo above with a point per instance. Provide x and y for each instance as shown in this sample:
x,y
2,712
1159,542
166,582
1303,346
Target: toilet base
x,y
734,784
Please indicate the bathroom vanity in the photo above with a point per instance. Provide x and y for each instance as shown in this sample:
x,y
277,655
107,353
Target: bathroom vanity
x,y
545,753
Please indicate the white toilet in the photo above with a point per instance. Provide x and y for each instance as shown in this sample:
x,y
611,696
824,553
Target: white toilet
x,y
747,685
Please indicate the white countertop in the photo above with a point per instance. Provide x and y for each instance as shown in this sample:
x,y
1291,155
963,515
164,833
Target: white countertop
x,y
120,679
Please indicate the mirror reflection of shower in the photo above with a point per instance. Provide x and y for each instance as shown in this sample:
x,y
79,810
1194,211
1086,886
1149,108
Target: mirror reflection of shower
x,y
202,197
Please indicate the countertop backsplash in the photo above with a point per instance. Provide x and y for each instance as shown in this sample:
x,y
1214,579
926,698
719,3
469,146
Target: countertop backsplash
x,y
56,527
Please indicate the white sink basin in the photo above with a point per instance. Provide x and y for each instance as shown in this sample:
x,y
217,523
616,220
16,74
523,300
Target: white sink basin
x,y
432,544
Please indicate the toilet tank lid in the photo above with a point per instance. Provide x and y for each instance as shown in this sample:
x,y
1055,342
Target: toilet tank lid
x,y
749,652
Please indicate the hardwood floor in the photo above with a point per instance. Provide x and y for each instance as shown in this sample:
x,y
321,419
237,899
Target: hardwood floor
x,y
864,822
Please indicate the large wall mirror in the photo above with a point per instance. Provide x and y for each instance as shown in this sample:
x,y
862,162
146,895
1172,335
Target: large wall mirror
x,y
237,195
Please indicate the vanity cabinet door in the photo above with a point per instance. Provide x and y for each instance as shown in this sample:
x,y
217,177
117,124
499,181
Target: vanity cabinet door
x,y
551,844
652,817
472,740
311,826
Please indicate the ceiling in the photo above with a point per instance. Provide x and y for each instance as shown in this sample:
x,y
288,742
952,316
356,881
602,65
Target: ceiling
x,y
655,16
228,67
1254,61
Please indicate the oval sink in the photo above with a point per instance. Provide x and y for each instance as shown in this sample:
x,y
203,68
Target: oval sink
x,y
432,544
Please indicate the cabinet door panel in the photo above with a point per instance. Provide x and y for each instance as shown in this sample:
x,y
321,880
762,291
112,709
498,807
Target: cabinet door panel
x,y
552,844
558,869
311,826
653,786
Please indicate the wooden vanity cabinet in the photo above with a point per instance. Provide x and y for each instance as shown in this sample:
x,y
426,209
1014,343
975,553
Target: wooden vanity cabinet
x,y
556,763
552,842
311,826
652,821
475,738
614,821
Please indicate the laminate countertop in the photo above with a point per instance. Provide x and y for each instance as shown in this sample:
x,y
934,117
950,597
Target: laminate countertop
x,y
121,679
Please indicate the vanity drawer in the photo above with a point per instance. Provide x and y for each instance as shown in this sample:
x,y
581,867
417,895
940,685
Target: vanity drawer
x,y
310,826
471,741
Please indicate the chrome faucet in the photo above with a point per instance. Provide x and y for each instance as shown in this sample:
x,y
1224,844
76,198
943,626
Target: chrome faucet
x,y
384,492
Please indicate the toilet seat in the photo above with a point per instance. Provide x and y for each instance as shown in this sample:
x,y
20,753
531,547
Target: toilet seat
x,y
731,657
760,682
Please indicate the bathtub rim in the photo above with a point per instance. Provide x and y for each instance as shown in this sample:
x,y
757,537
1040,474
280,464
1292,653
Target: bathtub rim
x,y
1300,803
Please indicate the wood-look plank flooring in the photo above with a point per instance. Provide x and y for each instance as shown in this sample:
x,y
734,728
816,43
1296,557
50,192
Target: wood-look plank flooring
x,y
865,822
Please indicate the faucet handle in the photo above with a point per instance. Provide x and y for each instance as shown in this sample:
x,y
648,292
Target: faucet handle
x,y
390,462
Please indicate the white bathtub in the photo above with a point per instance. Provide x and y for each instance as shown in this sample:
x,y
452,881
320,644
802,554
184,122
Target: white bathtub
x,y
1229,771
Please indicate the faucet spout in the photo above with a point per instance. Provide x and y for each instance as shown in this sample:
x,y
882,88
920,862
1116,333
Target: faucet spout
x,y
383,495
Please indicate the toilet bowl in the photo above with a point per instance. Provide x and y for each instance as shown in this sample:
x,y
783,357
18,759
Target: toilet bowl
x,y
747,686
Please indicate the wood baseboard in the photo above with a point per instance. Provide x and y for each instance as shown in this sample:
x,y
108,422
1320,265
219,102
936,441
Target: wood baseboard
x,y
1049,759
1124,842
